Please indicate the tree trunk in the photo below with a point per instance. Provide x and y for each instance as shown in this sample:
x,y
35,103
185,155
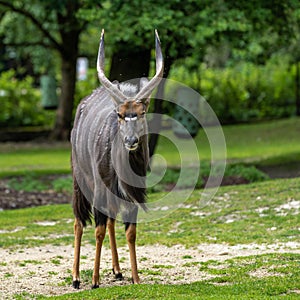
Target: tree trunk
x,y
69,30
69,54
297,86
63,122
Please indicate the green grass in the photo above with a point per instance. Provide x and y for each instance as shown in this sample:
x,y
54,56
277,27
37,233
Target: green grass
x,y
41,159
233,278
262,141
32,181
234,216
239,203
266,288
254,143
250,142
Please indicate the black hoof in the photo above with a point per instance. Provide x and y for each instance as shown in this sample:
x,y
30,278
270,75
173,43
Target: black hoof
x,y
95,286
76,284
119,276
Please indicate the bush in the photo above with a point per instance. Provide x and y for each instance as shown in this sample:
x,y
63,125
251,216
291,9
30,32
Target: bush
x,y
63,184
21,103
32,182
28,183
171,176
245,92
250,173
85,87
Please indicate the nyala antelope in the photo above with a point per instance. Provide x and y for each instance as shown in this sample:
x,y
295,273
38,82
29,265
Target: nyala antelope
x,y
109,162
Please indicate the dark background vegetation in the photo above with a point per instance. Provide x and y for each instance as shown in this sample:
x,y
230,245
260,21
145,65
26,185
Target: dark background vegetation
x,y
243,57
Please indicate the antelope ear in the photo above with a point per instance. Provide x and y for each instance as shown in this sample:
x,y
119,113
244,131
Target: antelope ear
x,y
116,83
143,82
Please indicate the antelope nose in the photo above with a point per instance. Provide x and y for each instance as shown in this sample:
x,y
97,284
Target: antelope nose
x,y
130,141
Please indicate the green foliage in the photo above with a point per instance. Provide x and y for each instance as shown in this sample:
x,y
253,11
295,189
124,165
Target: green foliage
x,y
210,31
20,103
246,92
237,171
86,87
134,22
24,30
32,182
250,173
27,183
63,184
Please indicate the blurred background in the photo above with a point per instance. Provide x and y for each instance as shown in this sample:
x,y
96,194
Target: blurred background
x,y
243,57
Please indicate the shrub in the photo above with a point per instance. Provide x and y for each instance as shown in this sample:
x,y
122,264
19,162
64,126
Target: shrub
x,y
27,183
21,103
85,87
63,184
171,176
250,173
247,92
32,182
244,92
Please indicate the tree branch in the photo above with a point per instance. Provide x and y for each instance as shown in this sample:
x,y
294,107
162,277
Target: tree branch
x,y
35,21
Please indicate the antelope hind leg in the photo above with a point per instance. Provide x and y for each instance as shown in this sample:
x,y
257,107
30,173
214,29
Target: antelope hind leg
x,y
78,231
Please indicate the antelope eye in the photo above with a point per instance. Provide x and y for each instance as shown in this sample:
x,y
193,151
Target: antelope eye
x,y
120,116
141,115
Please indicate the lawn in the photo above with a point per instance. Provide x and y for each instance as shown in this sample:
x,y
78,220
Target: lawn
x,y
274,141
249,142
252,216
20,159
236,215
261,215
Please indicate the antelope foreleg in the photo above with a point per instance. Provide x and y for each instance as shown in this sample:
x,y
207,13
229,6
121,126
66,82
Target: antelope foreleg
x,y
99,235
78,230
131,237
113,246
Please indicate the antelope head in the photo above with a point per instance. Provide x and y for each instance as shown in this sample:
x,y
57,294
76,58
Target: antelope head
x,y
131,107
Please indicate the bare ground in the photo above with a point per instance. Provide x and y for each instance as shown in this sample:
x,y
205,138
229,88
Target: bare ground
x,y
14,199
47,270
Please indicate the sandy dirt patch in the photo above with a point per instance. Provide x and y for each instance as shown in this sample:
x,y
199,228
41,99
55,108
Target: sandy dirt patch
x,y
45,270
